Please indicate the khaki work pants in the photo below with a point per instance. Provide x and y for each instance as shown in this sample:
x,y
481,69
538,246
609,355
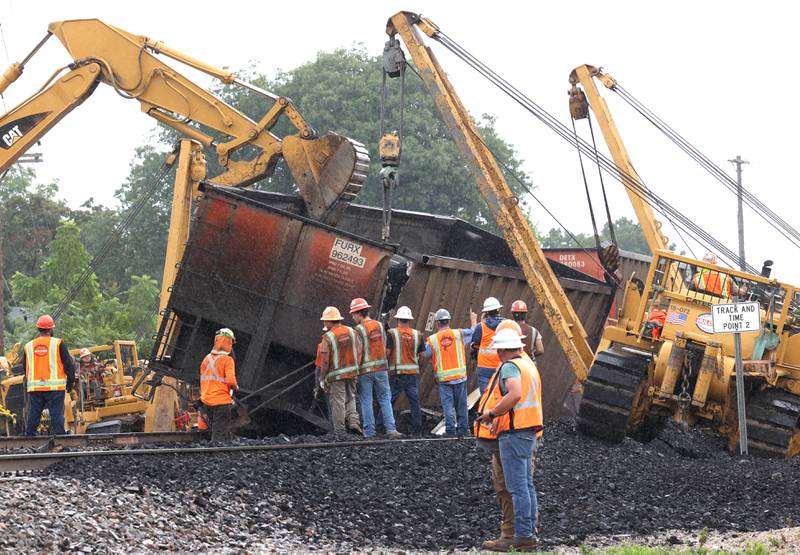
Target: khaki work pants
x,y
342,401
504,497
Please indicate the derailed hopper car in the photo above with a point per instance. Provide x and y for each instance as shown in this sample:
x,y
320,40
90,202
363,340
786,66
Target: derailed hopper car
x,y
256,264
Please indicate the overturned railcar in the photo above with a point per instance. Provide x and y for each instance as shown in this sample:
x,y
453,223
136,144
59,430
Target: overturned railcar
x,y
255,263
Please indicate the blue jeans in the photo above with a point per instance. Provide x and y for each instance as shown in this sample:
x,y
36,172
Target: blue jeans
x,y
409,384
484,375
380,382
54,402
454,406
516,453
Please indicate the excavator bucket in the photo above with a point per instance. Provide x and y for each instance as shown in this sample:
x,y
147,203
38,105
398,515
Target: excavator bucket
x,y
329,171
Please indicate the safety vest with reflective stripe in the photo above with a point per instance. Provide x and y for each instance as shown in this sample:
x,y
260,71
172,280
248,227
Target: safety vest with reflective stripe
x,y
374,338
531,334
405,353
525,415
343,353
215,386
487,358
44,370
711,281
449,358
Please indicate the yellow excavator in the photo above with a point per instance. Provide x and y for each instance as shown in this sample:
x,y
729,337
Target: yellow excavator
x,y
329,169
660,358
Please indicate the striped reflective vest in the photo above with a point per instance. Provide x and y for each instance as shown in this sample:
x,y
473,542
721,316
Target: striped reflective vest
x,y
449,357
343,353
373,337
487,358
44,370
525,415
711,281
405,353
217,377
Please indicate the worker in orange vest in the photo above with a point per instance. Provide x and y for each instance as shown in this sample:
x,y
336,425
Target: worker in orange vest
x,y
338,355
714,282
532,339
217,382
511,411
49,374
447,349
482,335
373,375
404,346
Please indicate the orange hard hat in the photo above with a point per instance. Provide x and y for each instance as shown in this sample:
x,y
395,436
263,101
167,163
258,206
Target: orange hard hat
x,y
358,304
519,306
45,322
331,314
509,324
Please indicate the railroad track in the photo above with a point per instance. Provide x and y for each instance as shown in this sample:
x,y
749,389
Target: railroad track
x,y
28,462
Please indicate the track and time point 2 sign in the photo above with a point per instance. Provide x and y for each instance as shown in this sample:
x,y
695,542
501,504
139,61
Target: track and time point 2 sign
x,y
736,318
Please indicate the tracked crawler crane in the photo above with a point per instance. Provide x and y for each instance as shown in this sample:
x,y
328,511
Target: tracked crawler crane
x,y
637,377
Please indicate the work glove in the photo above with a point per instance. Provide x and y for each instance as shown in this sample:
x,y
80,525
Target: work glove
x,y
70,384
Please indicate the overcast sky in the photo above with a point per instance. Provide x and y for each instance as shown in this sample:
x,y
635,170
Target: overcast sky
x,y
721,73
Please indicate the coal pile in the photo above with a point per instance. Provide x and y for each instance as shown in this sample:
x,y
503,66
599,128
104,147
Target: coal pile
x,y
402,496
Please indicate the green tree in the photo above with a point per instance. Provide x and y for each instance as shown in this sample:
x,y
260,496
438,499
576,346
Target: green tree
x,y
339,91
30,212
96,223
142,247
628,233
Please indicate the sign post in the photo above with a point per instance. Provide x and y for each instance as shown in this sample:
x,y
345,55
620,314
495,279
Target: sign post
x,y
738,318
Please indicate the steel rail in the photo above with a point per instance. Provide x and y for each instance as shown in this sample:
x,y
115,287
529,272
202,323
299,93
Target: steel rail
x,y
19,462
89,440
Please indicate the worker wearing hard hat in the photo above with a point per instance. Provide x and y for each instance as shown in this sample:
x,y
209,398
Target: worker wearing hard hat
x,y
49,373
90,374
217,382
404,346
373,377
338,356
531,336
714,282
511,411
482,336
447,349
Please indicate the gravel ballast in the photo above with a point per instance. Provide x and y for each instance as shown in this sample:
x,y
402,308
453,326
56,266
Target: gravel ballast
x,y
413,496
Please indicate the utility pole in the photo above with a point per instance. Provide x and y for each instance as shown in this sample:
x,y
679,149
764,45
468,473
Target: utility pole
x,y
738,162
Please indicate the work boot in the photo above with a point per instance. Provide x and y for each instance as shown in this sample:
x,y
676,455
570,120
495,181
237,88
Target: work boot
x,y
394,435
519,544
503,543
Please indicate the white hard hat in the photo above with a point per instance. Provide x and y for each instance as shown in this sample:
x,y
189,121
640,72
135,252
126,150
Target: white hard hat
x,y
226,332
506,339
403,313
490,304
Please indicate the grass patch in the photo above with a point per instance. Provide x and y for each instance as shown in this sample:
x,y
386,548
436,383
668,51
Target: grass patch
x,y
749,549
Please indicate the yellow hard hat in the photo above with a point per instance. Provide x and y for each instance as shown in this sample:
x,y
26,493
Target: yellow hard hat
x,y
509,324
331,314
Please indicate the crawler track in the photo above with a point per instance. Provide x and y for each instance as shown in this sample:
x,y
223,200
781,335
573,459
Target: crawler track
x,y
609,394
773,424
26,462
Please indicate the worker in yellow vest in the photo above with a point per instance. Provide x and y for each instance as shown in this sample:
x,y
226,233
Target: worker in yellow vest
x,y
482,335
510,410
405,344
373,376
447,349
49,374
217,384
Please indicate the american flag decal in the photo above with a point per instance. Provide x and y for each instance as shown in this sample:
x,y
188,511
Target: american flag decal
x,y
677,318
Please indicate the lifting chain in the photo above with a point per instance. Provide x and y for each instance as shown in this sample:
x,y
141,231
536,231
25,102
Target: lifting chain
x,y
684,398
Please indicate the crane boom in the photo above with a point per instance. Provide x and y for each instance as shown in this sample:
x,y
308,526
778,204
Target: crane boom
x,y
492,185
584,75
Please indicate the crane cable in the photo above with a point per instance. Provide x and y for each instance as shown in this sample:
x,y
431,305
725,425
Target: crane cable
x,y
766,213
635,186
114,237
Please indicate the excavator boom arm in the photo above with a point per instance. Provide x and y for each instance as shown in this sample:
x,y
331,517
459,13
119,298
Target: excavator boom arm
x,y
493,187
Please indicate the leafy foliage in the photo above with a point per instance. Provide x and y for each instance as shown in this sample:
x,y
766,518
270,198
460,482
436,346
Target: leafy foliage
x,y
628,233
